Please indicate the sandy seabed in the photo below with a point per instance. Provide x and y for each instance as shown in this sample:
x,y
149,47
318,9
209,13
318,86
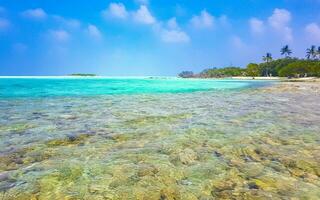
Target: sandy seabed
x,y
261,143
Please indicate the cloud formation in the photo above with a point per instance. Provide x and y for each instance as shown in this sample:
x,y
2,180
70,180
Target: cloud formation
x,y
68,23
172,23
94,32
224,21
279,18
204,20
59,35
279,21
174,36
256,26
143,16
172,33
116,10
313,32
35,14
237,42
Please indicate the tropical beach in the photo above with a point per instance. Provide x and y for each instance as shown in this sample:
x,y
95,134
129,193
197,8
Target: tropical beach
x,y
154,100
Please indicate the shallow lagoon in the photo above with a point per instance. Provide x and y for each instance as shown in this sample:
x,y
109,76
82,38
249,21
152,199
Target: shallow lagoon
x,y
158,139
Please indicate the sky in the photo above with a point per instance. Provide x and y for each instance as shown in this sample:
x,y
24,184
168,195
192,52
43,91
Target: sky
x,y
149,37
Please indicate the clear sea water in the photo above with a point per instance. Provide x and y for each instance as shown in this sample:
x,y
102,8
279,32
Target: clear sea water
x,y
157,138
75,86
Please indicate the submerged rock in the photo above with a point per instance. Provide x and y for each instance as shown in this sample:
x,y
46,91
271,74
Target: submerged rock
x,y
4,186
253,185
71,139
251,170
185,182
147,170
219,186
4,176
6,182
186,157
14,159
217,154
170,193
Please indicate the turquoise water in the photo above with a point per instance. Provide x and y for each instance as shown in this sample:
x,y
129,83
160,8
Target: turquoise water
x,y
156,139
44,87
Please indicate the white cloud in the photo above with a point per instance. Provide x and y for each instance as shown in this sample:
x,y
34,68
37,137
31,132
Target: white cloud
x,y
204,20
4,24
174,36
313,32
116,10
69,23
280,18
237,42
172,23
224,21
59,35
94,32
36,14
171,32
279,21
143,16
256,26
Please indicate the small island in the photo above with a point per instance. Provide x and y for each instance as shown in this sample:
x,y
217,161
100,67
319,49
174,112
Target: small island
x,y
79,74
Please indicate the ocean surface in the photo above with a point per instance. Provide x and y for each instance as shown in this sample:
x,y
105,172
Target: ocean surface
x,y
92,86
157,138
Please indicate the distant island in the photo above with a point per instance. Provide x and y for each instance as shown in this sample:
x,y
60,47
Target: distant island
x,y
287,66
82,74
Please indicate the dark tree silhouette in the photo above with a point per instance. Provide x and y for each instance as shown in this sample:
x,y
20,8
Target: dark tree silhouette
x,y
311,52
286,51
267,58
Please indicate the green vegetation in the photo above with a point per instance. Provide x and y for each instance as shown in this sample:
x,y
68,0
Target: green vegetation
x,y
223,72
253,69
298,68
283,67
83,75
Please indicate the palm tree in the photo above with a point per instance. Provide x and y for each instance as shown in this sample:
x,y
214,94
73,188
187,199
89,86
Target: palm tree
x,y
267,58
286,51
311,52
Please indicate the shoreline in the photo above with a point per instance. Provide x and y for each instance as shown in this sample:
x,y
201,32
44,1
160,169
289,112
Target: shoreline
x,y
284,79
309,86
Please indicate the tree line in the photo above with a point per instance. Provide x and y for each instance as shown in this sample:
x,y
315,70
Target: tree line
x,y
286,66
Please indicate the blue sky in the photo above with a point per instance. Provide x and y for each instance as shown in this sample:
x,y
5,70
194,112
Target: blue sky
x,y
149,37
